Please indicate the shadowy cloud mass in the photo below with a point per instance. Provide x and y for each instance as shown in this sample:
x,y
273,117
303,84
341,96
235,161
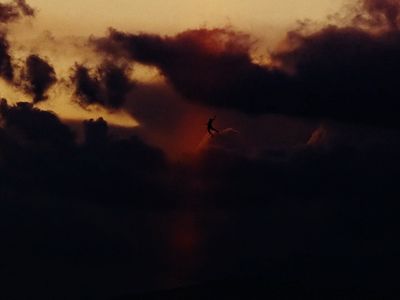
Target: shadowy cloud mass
x,y
342,73
40,76
108,85
6,67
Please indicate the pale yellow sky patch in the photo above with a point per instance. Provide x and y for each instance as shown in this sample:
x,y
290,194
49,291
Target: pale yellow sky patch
x,y
171,16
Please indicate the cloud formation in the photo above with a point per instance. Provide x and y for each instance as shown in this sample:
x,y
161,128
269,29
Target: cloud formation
x,y
6,67
381,13
37,132
345,73
10,12
13,11
212,67
40,76
221,174
107,85
31,125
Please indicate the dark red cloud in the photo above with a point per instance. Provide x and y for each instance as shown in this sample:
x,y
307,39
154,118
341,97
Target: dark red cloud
x,y
108,85
40,76
212,67
341,73
165,119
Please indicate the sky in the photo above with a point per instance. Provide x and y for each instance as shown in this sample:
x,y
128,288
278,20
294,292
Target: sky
x,y
168,17
59,32
153,145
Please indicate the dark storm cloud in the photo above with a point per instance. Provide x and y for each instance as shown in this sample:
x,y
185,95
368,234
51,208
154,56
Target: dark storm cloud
x,y
166,119
38,145
95,131
330,167
108,85
13,11
40,76
29,124
54,194
342,73
345,74
69,204
6,67
86,87
209,66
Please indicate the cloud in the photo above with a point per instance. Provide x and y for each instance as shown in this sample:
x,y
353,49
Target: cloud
x,y
37,145
345,73
33,126
96,131
211,67
10,12
165,119
106,167
107,85
309,172
119,193
228,139
6,67
40,76
379,13
319,137
13,11
26,9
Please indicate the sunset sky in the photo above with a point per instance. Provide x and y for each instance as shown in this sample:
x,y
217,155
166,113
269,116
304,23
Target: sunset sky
x,y
60,29
169,17
148,145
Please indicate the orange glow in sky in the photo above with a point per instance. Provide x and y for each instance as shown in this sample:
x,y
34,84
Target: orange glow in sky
x,y
61,28
94,16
